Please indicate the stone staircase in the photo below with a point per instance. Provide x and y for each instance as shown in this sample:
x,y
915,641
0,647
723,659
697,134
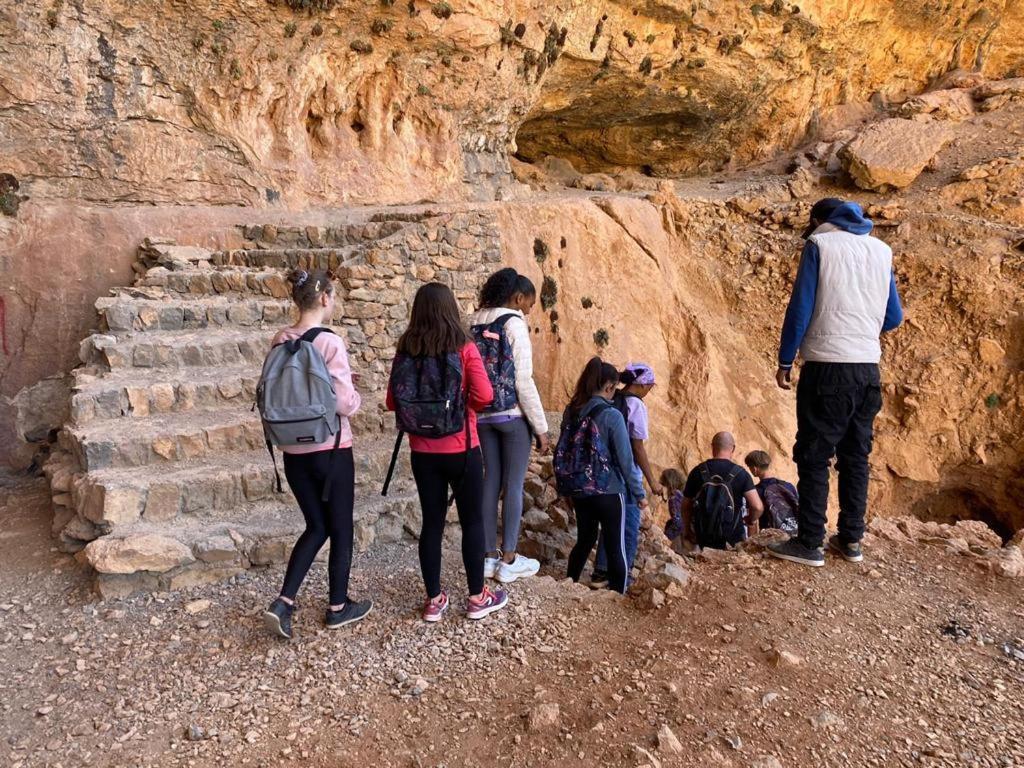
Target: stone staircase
x,y
161,478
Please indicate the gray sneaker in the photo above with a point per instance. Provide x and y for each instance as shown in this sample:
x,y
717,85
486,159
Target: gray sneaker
x,y
849,551
796,552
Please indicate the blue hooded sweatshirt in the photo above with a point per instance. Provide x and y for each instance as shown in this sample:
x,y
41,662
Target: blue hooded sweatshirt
x,y
850,218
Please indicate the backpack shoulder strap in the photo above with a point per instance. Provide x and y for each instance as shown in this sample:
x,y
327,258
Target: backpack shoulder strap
x,y
705,472
312,333
732,475
500,322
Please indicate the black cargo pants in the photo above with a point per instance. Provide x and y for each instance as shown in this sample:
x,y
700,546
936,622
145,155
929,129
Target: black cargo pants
x,y
836,405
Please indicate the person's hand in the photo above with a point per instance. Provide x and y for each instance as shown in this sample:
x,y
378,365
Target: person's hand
x,y
658,490
642,504
784,378
543,443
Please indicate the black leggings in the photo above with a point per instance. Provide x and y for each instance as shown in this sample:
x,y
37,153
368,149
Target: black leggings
x,y
306,474
434,473
607,512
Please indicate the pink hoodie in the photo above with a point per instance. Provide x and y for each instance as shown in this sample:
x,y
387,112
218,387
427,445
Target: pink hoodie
x,y
336,356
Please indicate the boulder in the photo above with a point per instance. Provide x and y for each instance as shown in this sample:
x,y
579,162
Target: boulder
x,y
146,552
544,717
951,104
893,152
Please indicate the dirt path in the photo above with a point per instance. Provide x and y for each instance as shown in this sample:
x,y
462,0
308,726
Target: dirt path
x,y
906,660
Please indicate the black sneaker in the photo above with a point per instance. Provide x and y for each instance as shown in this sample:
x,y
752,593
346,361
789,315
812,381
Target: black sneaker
x,y
278,618
598,579
354,610
796,552
850,551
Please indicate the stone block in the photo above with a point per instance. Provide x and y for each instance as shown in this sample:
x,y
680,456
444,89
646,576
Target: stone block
x,y
245,313
217,315
197,497
270,551
219,548
118,586
143,356
162,397
163,502
145,552
227,439
120,316
198,575
171,318
149,318
187,396
165,448
138,400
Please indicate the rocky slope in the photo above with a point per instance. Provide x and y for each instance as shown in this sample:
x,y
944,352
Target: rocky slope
x,y
114,115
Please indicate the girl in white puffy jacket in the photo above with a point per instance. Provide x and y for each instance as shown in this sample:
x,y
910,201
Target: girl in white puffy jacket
x,y
516,419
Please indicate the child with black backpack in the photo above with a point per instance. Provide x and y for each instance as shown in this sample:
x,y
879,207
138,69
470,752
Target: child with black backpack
x,y
308,363
780,499
512,421
594,467
437,386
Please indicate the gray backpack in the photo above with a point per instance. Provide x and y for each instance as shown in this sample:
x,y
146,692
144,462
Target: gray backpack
x,y
296,399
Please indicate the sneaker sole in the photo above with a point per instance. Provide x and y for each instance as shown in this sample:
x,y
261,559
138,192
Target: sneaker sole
x,y
273,622
598,584
514,576
437,617
798,560
856,559
351,621
484,613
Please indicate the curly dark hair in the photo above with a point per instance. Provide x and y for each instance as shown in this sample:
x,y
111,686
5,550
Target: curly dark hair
x,y
502,286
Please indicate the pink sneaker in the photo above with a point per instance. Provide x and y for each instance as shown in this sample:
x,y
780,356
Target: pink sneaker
x,y
489,602
434,611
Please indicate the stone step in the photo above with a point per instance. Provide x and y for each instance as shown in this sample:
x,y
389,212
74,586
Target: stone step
x,y
209,487
124,393
209,282
146,556
315,237
119,314
228,347
166,438
286,258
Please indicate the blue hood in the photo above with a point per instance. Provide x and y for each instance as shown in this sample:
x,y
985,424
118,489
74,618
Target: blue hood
x,y
850,218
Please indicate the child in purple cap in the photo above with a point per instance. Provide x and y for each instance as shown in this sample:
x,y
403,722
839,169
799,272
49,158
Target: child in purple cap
x,y
637,380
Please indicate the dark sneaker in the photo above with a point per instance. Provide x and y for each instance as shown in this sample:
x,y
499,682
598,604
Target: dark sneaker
x,y
435,611
489,602
278,618
796,552
598,580
354,610
850,551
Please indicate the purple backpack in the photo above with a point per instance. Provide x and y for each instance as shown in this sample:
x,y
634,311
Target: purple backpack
x,y
583,462
496,351
781,505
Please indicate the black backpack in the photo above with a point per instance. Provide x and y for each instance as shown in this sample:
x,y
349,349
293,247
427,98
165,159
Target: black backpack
x,y
717,520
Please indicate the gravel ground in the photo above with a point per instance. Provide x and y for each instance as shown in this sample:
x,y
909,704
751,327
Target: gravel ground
x,y
914,658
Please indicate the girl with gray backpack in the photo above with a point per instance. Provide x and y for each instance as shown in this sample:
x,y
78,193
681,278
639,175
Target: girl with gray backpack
x,y
305,397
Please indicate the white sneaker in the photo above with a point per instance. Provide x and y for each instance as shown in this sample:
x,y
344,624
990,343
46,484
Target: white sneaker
x,y
518,568
490,567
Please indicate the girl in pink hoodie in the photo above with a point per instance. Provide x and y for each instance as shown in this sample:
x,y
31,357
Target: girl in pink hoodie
x,y
308,467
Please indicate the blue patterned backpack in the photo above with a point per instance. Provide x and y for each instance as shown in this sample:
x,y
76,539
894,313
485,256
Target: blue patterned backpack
x,y
496,350
583,462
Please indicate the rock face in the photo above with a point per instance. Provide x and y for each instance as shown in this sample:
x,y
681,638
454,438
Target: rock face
x,y
115,114
892,153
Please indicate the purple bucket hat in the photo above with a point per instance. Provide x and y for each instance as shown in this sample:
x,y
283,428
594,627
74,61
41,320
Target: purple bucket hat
x,y
643,373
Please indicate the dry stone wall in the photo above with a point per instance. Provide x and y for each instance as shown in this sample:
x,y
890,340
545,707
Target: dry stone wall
x,y
161,478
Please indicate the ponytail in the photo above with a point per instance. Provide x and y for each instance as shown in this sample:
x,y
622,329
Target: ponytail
x,y
596,375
